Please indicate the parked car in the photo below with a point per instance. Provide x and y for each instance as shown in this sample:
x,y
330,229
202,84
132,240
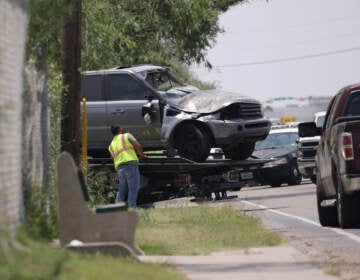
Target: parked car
x,y
338,160
307,148
164,113
280,145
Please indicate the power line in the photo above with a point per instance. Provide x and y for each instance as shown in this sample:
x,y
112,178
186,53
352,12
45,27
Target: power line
x,y
288,58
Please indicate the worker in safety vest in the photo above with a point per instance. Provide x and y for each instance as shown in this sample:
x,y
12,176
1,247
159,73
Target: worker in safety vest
x,y
124,149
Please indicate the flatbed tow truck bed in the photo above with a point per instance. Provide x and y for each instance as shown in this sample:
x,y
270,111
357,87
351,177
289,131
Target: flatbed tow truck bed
x,y
165,178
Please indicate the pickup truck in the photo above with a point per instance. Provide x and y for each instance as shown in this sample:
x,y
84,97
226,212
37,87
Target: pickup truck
x,y
306,147
338,161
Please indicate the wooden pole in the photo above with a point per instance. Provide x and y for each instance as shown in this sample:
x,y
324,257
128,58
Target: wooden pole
x,y
71,70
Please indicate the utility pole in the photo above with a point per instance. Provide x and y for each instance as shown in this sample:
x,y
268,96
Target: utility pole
x,y
71,68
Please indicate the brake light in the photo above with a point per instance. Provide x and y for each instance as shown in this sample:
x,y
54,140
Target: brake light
x,y
347,146
182,180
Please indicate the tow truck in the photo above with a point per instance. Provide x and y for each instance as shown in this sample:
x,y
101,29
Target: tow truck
x,y
164,177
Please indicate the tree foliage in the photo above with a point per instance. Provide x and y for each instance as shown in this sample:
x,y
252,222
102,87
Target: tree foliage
x,y
124,32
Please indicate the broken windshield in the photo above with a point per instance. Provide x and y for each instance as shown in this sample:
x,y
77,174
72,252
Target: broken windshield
x,y
160,80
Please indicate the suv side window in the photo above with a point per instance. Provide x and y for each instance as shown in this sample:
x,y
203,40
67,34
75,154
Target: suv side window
x,y
125,87
91,86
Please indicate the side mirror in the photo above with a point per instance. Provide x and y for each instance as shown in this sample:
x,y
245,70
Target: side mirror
x,y
309,129
147,112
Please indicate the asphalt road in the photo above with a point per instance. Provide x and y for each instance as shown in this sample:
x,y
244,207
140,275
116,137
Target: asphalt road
x,y
291,211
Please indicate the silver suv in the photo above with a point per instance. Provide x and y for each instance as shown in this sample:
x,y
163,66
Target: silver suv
x,y
164,113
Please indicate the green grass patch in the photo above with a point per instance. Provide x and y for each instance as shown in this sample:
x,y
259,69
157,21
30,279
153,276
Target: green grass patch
x,y
34,260
199,230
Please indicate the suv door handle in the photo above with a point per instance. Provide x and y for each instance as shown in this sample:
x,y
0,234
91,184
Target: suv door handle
x,y
118,111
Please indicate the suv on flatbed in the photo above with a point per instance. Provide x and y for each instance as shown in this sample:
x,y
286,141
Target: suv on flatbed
x,y
338,161
164,113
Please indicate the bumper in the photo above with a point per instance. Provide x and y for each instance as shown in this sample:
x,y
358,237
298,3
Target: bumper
x,y
226,132
274,173
351,183
307,167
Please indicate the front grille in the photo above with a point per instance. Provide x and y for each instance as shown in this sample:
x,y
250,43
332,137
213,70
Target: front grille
x,y
307,144
308,153
308,149
241,111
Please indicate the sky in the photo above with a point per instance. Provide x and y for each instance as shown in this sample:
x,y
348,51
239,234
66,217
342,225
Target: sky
x,y
286,48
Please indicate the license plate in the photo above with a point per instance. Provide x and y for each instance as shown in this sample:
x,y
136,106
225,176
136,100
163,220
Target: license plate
x,y
246,175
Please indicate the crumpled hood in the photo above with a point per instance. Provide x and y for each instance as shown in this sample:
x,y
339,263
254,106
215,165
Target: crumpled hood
x,y
210,101
275,152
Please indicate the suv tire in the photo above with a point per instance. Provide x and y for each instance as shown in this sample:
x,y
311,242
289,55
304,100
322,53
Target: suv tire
x,y
192,142
239,151
327,215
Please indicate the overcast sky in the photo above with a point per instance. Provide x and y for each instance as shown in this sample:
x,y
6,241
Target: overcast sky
x,y
287,48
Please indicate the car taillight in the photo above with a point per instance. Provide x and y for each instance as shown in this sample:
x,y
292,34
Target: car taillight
x,y
182,180
347,146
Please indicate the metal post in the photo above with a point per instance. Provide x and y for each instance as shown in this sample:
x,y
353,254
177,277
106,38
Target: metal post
x,y
84,161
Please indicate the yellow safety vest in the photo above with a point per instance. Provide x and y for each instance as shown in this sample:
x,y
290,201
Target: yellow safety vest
x,y
122,150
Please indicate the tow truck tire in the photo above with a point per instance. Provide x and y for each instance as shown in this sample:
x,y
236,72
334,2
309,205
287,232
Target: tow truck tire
x,y
294,175
192,142
239,151
327,215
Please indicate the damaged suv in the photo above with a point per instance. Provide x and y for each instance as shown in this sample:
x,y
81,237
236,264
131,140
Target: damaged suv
x,y
164,113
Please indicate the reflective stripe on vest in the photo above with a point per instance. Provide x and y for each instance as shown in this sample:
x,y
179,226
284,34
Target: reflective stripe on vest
x,y
122,150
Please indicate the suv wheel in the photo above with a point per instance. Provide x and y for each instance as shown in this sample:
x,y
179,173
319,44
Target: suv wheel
x,y
192,142
327,215
239,151
294,175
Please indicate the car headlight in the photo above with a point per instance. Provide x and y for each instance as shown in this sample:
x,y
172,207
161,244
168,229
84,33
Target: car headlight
x,y
215,116
262,110
276,162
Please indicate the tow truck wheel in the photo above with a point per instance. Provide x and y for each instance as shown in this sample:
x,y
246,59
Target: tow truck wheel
x,y
239,151
192,142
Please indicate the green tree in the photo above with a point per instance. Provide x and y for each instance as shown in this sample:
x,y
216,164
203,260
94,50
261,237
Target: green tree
x,y
125,32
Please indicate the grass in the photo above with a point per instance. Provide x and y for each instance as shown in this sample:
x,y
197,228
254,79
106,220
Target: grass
x,y
165,231
199,230
34,260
